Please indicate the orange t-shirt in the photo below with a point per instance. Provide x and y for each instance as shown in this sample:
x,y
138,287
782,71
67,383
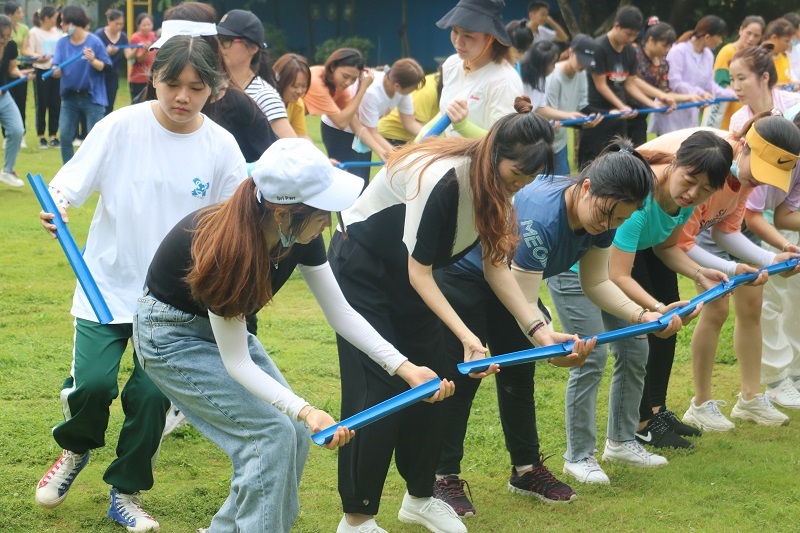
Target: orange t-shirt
x,y
318,99
724,210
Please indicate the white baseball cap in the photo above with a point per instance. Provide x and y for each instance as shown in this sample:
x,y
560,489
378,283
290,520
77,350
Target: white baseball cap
x,y
294,171
171,28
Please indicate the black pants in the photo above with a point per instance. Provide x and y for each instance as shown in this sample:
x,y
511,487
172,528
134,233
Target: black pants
x,y
380,291
136,88
20,95
662,283
484,314
594,140
339,145
637,130
48,102
112,86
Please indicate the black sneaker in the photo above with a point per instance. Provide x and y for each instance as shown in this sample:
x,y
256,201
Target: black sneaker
x,y
450,489
43,144
541,483
658,434
677,427
54,143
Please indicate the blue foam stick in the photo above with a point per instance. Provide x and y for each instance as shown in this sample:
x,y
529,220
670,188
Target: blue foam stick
x,y
439,127
565,348
62,65
383,409
72,252
18,81
646,110
359,164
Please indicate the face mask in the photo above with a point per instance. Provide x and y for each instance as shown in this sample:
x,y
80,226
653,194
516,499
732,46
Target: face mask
x,y
71,30
735,169
286,242
795,42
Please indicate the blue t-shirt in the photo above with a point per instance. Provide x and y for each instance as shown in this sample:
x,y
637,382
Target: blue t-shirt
x,y
80,75
649,226
548,244
119,58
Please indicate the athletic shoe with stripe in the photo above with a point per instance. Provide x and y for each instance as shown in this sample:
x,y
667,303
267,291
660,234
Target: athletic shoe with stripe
x,y
126,510
450,489
54,485
541,483
677,427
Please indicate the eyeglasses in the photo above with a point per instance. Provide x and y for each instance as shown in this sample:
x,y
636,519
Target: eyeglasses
x,y
226,41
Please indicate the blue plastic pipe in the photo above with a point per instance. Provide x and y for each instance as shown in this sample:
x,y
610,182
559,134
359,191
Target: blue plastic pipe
x,y
645,110
71,251
383,409
565,348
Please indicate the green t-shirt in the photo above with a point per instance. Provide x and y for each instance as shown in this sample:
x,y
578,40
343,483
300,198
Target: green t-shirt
x,y
649,226
18,36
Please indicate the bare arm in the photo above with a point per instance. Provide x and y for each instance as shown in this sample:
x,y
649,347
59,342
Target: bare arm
x,y
786,219
282,128
410,124
343,117
601,84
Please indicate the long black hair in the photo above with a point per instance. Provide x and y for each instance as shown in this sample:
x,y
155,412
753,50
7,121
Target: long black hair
x,y
535,62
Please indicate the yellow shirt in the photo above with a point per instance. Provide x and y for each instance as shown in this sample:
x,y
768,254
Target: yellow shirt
x,y
723,79
783,67
426,106
296,112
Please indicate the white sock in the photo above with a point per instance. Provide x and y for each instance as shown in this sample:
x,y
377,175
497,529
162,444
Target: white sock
x,y
522,469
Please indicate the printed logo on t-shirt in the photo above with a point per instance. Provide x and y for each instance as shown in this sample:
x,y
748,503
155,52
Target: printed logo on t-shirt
x,y
713,220
200,188
534,242
476,98
618,75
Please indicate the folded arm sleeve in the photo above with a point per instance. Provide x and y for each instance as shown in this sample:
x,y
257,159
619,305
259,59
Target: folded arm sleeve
x,y
593,272
740,246
231,336
346,321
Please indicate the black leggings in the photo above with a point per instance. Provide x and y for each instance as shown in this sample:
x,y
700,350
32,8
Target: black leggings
x,y
484,314
594,140
662,283
339,145
48,101
380,291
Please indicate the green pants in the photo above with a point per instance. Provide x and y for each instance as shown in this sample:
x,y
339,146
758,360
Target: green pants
x,y
87,395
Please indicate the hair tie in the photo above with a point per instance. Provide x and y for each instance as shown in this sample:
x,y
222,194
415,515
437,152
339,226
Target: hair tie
x,y
624,150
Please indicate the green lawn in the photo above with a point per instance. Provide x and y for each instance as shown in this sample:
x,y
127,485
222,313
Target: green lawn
x,y
745,480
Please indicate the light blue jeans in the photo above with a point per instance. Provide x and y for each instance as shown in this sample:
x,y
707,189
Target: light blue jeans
x,y
267,449
562,162
75,105
580,316
11,121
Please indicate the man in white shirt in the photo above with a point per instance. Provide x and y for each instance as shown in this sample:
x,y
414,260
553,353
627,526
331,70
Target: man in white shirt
x,y
538,16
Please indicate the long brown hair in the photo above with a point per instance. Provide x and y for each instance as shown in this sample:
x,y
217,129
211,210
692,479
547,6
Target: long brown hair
x,y
524,138
230,272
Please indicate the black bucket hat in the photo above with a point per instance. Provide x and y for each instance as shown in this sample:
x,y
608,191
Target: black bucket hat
x,y
485,16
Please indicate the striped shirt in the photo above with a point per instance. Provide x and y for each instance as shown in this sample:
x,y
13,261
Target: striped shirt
x,y
267,98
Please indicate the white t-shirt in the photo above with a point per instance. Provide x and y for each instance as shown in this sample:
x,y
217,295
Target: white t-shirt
x,y
781,100
543,33
148,179
43,43
267,98
489,91
794,60
376,104
566,94
538,98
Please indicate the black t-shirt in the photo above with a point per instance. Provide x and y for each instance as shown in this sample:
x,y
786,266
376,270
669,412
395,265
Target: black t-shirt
x,y
9,54
617,67
241,116
118,58
173,260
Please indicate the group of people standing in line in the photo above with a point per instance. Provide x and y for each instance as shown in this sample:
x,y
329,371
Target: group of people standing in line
x,y
437,260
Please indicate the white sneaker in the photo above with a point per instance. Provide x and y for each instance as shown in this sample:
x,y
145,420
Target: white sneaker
x,y
54,485
586,471
23,144
126,510
785,395
759,410
10,179
76,142
175,419
633,453
370,526
707,416
432,513
796,383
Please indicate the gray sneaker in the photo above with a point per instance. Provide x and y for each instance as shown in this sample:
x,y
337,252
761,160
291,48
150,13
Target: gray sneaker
x,y
759,410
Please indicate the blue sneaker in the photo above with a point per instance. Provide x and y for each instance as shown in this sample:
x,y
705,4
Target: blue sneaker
x,y
54,485
126,510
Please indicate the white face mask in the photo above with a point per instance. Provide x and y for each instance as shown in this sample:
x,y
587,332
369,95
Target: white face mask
x,y
286,241
735,167
71,30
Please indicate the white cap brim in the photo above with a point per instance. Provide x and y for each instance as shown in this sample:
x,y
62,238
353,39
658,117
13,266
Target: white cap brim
x,y
171,28
341,194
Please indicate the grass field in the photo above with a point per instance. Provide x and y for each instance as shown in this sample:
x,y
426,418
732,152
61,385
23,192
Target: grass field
x,y
744,480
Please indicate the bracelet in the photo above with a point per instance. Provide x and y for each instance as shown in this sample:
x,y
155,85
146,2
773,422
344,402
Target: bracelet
x,y
305,418
785,245
639,320
532,323
535,328
658,306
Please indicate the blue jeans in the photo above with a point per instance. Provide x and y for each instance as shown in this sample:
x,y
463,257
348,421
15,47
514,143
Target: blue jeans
x,y
11,121
75,105
579,315
562,162
268,450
